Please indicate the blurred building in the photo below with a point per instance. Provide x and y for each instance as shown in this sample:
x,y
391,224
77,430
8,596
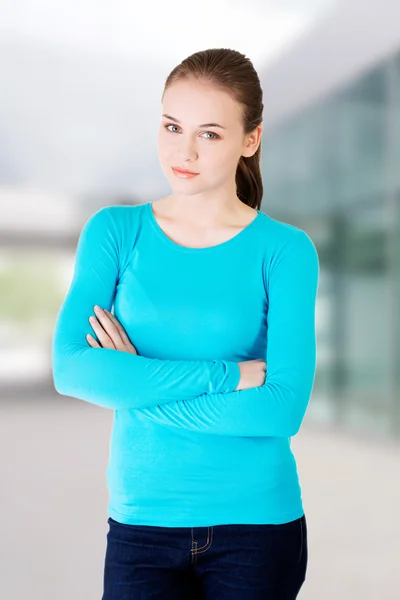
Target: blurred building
x,y
39,231
331,165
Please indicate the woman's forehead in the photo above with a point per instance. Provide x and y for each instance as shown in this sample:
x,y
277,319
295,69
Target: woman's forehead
x,y
199,105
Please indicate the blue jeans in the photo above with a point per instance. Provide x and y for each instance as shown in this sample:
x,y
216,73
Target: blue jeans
x,y
220,562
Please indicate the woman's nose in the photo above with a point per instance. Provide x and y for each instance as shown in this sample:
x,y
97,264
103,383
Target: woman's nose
x,y
187,150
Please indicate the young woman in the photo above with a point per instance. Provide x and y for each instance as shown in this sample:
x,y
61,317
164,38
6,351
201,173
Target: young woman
x,y
208,359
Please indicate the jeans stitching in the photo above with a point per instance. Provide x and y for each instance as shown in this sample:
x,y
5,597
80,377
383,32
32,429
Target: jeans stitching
x,y
194,555
207,544
301,539
195,550
208,539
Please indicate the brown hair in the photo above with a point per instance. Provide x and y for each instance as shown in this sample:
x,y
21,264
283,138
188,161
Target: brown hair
x,y
234,73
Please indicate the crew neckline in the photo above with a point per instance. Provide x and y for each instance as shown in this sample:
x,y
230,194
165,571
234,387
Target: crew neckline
x,y
163,236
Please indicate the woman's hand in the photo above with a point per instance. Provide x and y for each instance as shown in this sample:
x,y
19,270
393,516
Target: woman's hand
x,y
110,332
252,374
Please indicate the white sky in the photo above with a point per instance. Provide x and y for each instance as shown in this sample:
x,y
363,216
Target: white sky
x,y
162,31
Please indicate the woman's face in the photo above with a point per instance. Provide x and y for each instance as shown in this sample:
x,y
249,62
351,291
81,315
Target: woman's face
x,y
184,141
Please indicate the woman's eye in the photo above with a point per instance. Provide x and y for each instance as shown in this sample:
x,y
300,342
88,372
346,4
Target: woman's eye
x,y
215,135
170,126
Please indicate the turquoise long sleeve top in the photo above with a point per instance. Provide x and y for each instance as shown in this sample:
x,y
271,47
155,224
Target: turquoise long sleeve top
x,y
186,449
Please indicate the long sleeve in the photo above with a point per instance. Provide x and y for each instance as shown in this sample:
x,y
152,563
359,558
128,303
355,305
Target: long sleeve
x,y
110,378
278,407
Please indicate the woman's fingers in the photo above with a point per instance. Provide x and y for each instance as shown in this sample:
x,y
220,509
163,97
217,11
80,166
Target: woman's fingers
x,y
92,342
110,332
103,332
127,345
123,335
106,331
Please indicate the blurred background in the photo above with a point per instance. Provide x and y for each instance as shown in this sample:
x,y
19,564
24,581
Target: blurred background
x,y
80,102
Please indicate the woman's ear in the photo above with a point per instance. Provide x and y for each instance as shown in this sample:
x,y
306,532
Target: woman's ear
x,y
252,142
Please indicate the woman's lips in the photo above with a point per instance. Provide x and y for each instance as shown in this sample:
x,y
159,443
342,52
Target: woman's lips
x,y
183,174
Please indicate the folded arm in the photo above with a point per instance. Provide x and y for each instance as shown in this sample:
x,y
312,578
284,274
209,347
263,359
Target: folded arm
x,y
278,407
110,378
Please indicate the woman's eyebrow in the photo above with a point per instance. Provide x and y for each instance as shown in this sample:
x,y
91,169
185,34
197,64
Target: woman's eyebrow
x,y
203,125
